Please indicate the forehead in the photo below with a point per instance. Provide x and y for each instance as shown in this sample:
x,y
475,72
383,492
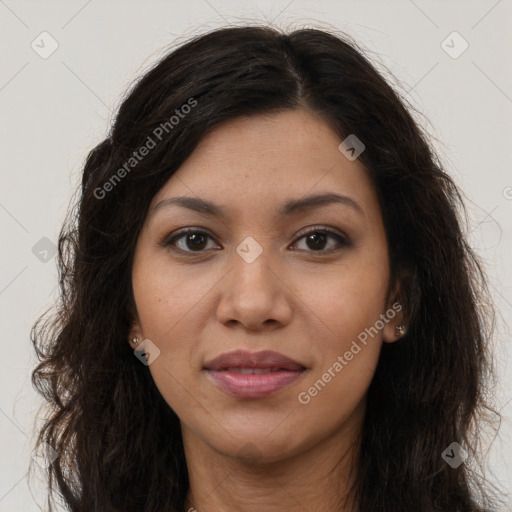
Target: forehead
x,y
261,160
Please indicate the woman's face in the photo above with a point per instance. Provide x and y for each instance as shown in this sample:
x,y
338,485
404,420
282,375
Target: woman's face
x,y
281,266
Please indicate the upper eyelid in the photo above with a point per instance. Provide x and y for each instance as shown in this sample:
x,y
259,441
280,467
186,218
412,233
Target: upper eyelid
x,y
330,231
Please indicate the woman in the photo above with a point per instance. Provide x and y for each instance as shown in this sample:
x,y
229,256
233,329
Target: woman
x,y
268,302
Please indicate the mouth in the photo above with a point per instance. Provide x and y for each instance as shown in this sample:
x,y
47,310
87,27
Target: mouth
x,y
245,374
251,371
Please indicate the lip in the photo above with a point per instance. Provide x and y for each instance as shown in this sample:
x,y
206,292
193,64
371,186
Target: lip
x,y
275,371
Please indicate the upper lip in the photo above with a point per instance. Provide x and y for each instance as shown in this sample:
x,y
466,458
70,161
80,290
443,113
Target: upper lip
x,y
245,359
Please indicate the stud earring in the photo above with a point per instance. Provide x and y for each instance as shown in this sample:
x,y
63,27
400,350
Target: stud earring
x,y
135,341
400,330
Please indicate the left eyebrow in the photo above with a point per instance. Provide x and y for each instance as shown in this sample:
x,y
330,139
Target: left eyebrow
x,y
289,208
315,201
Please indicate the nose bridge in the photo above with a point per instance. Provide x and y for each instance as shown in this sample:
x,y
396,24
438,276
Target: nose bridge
x,y
252,267
254,294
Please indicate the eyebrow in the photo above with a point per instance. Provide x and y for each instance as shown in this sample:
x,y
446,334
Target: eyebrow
x,y
289,208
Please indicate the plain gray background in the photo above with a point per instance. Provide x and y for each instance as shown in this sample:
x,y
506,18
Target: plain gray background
x,y
55,109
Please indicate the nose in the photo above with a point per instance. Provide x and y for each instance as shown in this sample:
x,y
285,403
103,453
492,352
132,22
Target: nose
x,y
254,296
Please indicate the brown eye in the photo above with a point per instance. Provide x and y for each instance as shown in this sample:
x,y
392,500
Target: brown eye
x,y
191,240
195,241
316,240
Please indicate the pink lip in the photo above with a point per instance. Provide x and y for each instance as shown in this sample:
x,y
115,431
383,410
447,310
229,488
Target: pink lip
x,y
225,373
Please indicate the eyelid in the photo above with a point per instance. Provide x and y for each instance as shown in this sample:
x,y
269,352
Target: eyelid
x,y
323,229
169,240
342,239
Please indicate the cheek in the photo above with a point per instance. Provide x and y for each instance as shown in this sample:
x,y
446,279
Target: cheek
x,y
169,297
173,307
333,394
168,319
349,303
348,300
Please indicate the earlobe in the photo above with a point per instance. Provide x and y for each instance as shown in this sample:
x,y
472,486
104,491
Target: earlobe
x,y
396,327
399,318
394,332
134,336
400,330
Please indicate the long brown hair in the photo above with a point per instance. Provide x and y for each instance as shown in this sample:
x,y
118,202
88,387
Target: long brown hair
x,y
118,442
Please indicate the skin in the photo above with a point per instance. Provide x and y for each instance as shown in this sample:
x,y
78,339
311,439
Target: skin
x,y
270,453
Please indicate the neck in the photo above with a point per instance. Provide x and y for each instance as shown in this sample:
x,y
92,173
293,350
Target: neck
x,y
317,479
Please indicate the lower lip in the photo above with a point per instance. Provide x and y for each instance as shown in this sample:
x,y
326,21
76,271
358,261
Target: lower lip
x,y
254,385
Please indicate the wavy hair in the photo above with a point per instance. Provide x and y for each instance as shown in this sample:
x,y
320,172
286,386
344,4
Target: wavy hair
x,y
118,442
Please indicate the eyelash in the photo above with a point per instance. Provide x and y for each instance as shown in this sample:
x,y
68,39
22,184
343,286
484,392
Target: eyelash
x,y
342,240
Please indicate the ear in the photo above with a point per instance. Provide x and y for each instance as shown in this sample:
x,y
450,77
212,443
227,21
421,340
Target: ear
x,y
395,315
395,327
135,333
